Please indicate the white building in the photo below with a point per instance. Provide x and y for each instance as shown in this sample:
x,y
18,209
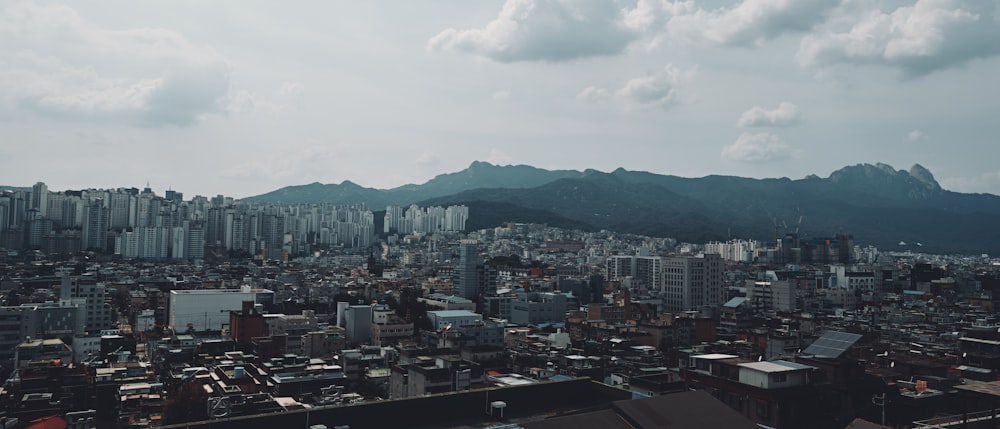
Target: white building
x,y
774,374
774,295
692,282
443,318
208,309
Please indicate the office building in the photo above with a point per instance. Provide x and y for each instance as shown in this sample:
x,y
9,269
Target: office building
x,y
538,308
692,282
92,298
358,323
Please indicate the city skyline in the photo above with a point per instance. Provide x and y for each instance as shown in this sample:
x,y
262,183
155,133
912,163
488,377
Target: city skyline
x,y
244,99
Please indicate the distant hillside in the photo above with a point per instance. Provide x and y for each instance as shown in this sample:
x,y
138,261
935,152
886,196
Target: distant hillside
x,y
875,202
478,175
604,201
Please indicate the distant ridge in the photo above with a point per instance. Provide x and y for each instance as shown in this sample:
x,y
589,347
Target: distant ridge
x,y
477,175
876,203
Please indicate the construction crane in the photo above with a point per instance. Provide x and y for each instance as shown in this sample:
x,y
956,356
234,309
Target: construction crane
x,y
800,221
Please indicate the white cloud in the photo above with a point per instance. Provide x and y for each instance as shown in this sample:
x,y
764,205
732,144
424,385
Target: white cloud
x,y
291,89
501,95
593,94
428,159
748,23
653,15
785,114
927,36
543,30
915,135
312,159
58,64
498,157
756,148
659,89
655,89
987,182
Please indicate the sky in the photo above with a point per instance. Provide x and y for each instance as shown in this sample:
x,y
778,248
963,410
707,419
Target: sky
x,y
243,97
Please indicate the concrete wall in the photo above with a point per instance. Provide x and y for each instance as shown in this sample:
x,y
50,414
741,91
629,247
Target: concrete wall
x,y
449,409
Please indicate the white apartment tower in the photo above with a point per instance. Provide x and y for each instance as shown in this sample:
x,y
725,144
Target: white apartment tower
x,y
692,282
40,198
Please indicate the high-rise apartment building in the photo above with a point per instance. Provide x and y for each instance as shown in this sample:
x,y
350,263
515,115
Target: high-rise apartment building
x,y
645,272
393,219
618,267
194,240
120,205
40,198
471,276
95,226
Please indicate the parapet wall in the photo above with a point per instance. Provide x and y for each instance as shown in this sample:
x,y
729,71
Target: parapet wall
x,y
443,410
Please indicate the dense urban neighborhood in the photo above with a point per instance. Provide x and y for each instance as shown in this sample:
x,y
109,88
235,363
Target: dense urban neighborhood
x,y
125,309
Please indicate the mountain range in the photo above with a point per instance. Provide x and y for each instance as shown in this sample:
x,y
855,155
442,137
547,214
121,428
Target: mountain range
x,y
875,203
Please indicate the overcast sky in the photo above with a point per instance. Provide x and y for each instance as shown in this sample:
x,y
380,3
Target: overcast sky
x,y
243,97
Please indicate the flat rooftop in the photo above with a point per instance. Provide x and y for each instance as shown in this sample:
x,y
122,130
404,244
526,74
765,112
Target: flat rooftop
x,y
775,366
216,291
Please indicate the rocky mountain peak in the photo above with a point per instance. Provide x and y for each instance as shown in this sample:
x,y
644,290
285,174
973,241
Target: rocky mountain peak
x,y
924,176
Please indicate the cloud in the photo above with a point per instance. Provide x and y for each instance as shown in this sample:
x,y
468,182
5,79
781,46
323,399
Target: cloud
x,y
784,115
988,182
930,35
655,89
593,94
659,90
501,95
498,157
291,89
312,158
58,64
428,159
543,30
915,135
756,148
748,23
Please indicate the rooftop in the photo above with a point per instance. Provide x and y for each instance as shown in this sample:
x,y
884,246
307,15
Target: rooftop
x,y
715,356
454,313
775,366
217,291
991,388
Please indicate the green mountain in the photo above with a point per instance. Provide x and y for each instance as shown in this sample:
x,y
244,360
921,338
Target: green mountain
x,y
477,175
876,203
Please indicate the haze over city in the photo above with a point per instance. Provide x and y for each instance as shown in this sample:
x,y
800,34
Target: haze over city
x,y
241,98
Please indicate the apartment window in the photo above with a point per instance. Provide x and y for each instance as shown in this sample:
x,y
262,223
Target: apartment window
x,y
763,409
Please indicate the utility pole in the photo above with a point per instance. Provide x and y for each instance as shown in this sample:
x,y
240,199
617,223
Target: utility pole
x,y
879,401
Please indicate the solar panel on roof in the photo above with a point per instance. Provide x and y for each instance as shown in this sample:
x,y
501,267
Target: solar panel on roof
x,y
832,344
